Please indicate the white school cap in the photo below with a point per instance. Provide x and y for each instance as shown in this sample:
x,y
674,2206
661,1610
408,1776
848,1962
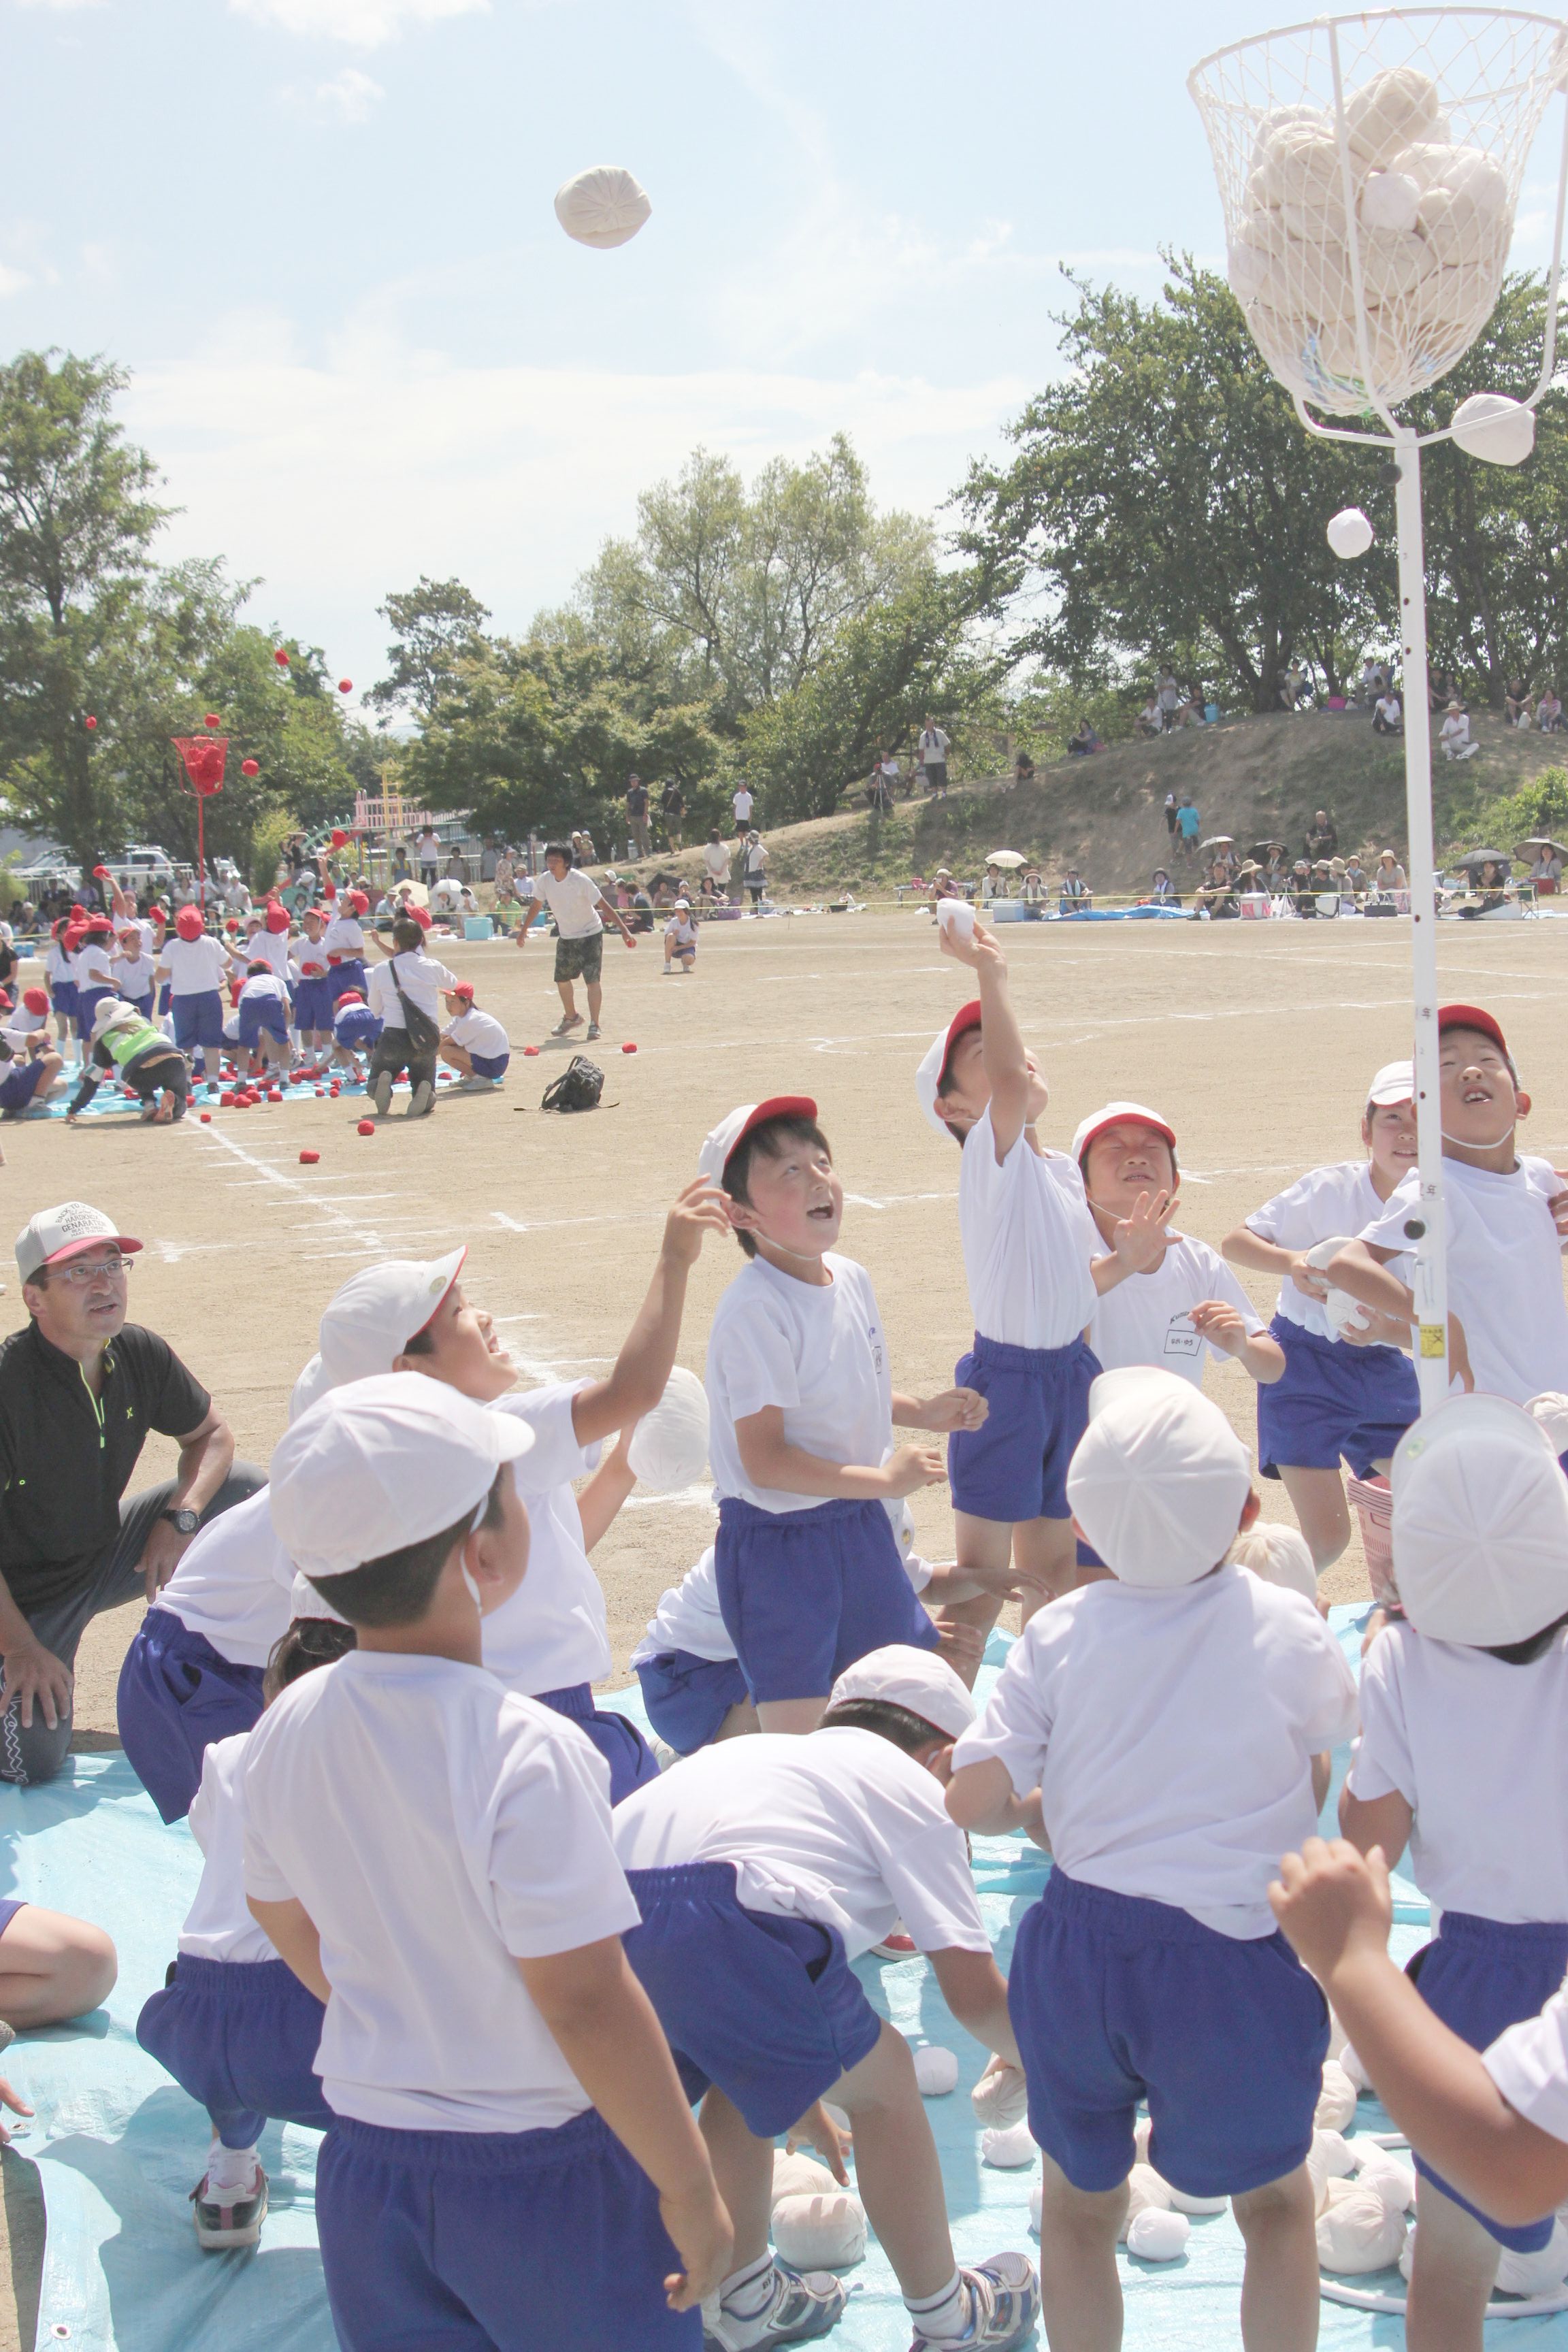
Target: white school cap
x,y
382,1464
1279,1554
59,1234
304,1600
1480,1523
1551,1409
938,1054
1394,1083
1116,1114
1159,1478
732,1132
916,1679
371,1320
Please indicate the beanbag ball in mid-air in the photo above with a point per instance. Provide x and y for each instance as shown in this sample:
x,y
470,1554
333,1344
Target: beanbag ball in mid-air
x,y
603,206
669,1446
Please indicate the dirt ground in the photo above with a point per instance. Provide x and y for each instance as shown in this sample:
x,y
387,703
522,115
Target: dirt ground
x,y
1256,1041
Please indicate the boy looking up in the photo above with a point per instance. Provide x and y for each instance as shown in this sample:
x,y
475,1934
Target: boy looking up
x,y
430,1854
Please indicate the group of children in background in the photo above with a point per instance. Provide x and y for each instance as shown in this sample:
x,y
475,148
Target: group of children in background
x,y
453,1913
151,1004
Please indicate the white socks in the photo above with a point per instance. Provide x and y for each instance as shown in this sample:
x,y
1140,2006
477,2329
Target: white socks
x,y
944,2318
231,2170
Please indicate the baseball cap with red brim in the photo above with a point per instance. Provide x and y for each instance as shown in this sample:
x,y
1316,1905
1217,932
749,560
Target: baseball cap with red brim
x,y
56,1234
731,1133
1119,1114
465,988
1472,1016
368,1323
932,1076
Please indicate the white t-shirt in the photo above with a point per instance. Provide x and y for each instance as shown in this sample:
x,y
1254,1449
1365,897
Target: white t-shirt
x,y
816,1350
429,848
1529,2063
343,936
265,988
268,947
92,966
1169,1734
479,1033
933,746
742,804
133,975
1456,729
57,963
1148,1318
716,858
422,979
553,1632
681,932
1338,1199
218,1924
1388,708
1505,1271
1480,1750
840,1827
233,1584
574,900
437,1828
1029,1242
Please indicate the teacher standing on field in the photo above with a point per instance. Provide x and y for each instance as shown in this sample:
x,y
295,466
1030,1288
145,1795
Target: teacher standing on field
x,y
579,907
80,1389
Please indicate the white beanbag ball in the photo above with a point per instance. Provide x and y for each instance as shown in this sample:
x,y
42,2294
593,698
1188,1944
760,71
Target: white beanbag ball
x,y
821,2232
1354,2067
1036,2205
1274,121
1393,263
1009,2148
1492,426
936,2071
1299,165
1001,2097
800,2175
1329,2158
957,915
1541,2273
1156,2236
1278,1555
603,206
1389,200
1350,535
1181,2202
1359,2231
1336,2101
1380,2168
1387,112
669,1446
1145,2192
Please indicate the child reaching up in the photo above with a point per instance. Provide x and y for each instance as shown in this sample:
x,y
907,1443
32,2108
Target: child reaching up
x,y
1463,1754
1036,1265
1148,1968
802,1407
762,1872
512,2162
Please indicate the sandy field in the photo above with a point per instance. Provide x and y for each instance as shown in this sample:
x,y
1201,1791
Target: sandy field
x,y
1256,1041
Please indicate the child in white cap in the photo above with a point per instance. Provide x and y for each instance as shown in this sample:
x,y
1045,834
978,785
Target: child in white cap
x,y
511,2162
234,2027
1149,1969
802,1407
1036,1267
680,938
1346,1394
1464,1755
761,1871
1504,1218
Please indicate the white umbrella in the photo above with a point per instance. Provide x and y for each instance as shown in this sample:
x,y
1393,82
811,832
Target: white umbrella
x,y
1008,858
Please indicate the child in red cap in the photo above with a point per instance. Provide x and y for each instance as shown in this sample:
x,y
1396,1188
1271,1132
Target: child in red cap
x,y
355,1029
474,1043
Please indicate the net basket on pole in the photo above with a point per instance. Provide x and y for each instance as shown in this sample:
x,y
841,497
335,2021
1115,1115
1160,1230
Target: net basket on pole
x,y
202,759
1370,169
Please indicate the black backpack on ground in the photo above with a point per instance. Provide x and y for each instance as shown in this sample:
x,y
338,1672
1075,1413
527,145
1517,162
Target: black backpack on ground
x,y
578,1087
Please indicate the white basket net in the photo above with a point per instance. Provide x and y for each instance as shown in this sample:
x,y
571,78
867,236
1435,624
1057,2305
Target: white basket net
x,y
1419,172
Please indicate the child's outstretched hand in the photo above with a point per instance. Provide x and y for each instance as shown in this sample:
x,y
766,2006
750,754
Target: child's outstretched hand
x,y
1139,1241
977,947
817,2131
705,2240
954,1408
698,1209
18,2107
1333,1902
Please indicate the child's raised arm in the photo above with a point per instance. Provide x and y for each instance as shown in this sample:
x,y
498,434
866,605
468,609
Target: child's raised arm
x,y
1002,1041
603,2025
648,1354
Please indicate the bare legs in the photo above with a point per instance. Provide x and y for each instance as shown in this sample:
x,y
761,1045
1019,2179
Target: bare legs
x,y
1036,1559
1451,2277
52,1967
1322,1514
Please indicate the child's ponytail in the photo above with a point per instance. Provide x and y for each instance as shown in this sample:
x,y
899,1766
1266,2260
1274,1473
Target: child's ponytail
x,y
310,1642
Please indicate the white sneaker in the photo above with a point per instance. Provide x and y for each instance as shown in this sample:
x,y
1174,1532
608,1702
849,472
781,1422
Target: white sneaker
x,y
1005,2304
805,2306
421,1099
380,1091
224,2218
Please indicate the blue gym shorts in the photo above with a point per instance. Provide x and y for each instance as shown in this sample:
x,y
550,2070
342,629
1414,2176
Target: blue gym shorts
x,y
1334,1399
688,1697
767,2010
1481,1976
257,1016
20,1084
240,2037
489,1065
1015,1466
314,995
1115,1998
198,1020
63,997
494,2242
620,1743
804,1594
178,1695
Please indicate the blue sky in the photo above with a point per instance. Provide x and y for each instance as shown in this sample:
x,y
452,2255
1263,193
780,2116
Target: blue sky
x,y
320,234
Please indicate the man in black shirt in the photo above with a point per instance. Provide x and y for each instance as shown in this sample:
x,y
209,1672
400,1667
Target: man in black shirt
x,y
80,1390
636,814
1324,841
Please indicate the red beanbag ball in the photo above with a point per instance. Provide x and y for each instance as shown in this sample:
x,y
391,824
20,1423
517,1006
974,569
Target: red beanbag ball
x,y
530,1049
206,1118
309,1158
367,1126
628,1049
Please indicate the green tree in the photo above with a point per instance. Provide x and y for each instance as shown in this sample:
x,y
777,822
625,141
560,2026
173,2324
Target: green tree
x,y
1166,503
435,625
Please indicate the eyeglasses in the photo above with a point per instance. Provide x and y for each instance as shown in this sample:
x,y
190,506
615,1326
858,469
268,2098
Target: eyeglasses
x,y
82,1274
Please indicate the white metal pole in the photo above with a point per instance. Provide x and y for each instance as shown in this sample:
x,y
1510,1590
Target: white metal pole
x,y
1426,1229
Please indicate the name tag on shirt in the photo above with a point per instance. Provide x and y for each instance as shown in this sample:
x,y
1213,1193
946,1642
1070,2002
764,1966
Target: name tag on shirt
x,y
1183,1337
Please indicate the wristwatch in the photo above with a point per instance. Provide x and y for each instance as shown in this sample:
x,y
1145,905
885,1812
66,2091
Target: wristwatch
x,y
184,1520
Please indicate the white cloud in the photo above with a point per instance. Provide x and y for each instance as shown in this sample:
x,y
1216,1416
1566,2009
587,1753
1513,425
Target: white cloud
x,y
338,483
12,280
364,23
348,97
61,4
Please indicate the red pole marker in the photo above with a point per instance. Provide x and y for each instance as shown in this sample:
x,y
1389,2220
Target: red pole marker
x,y
367,1126
309,1159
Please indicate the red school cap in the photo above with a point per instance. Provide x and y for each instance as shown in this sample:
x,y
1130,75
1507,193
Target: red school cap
x,y
464,987
1472,1016
967,1017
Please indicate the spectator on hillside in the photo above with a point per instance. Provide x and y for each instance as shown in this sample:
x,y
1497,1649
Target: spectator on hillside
x,y
934,747
1303,895
672,814
1323,839
1549,711
1023,769
1441,690
892,775
1189,825
1149,722
1355,875
1547,873
1084,742
715,864
742,802
1388,875
1387,718
1516,703
754,867
1215,894
1168,695
1164,892
1171,815
1032,886
636,815
582,850
1373,678
1074,896
1455,734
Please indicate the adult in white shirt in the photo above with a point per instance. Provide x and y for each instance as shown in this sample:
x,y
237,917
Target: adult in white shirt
x,y
1386,716
1455,735
579,907
403,994
742,804
716,862
428,850
933,757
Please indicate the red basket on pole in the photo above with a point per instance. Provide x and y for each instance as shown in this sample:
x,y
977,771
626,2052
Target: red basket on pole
x,y
202,761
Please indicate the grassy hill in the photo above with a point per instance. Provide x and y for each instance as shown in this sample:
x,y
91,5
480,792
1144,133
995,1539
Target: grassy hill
x,y
1250,777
